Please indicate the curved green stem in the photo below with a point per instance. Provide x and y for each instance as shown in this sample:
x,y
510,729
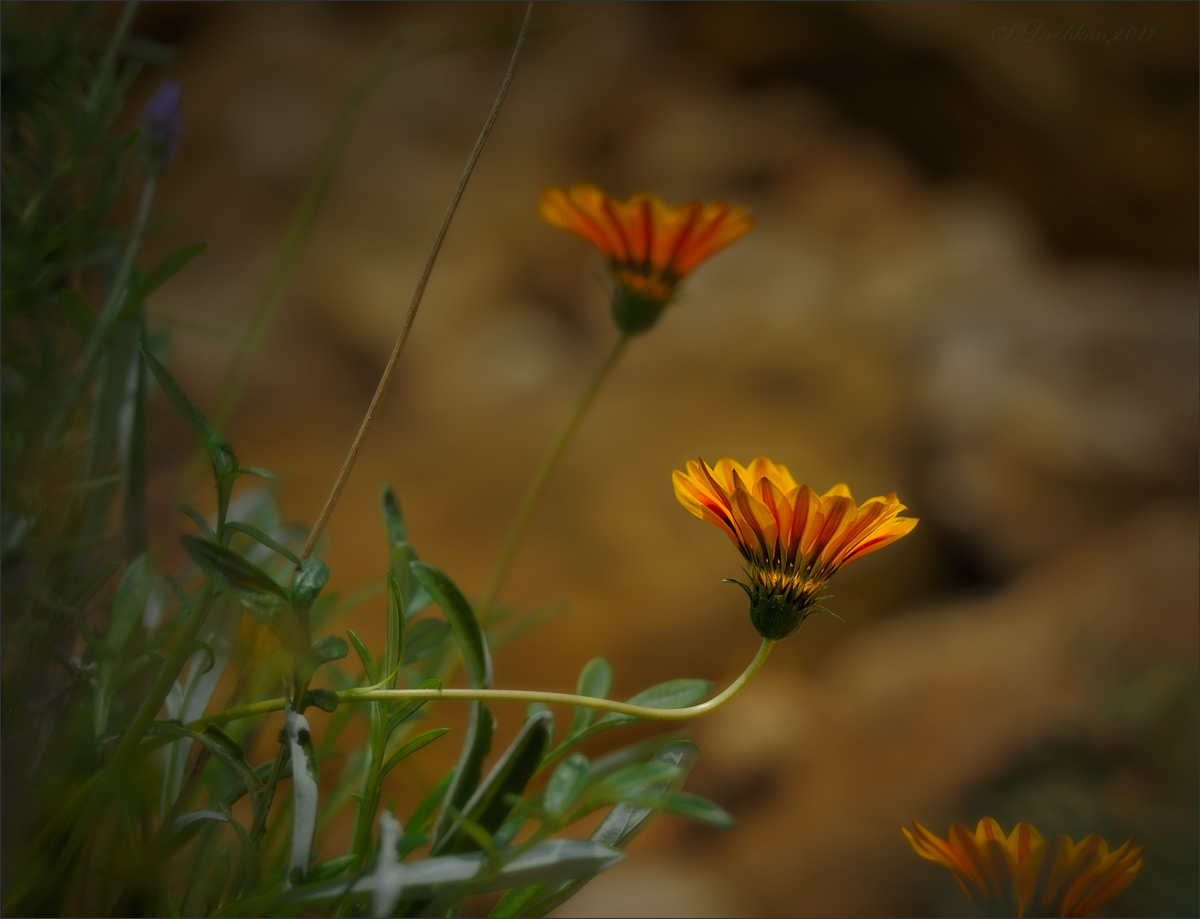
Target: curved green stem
x,y
372,694
542,476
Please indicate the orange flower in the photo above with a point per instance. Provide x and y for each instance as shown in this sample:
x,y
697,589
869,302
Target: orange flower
x,y
793,539
1025,875
649,245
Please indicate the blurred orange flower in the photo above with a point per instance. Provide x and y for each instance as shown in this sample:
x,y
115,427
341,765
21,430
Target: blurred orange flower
x,y
649,245
1025,875
793,539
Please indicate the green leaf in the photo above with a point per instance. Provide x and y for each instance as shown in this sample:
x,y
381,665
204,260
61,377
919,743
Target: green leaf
x,y
623,781
364,655
566,784
424,637
133,592
324,699
308,580
458,611
394,645
476,746
696,807
156,277
329,649
412,747
671,694
401,555
250,584
89,585
419,821
264,538
220,453
219,743
491,804
331,868
201,522
623,823
553,860
594,680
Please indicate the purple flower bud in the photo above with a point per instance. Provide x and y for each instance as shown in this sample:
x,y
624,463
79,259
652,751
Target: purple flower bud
x,y
161,126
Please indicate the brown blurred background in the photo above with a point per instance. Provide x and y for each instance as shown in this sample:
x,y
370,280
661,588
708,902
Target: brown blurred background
x,y
972,282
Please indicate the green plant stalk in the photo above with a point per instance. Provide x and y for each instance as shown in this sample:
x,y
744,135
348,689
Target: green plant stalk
x,y
108,315
297,235
389,370
541,477
373,694
84,819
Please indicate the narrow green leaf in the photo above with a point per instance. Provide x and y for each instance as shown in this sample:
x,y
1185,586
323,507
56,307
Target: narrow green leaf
x,y
566,784
331,868
156,277
219,743
133,592
491,804
623,823
254,587
394,651
401,555
89,585
594,680
696,807
458,611
328,649
364,655
419,821
424,637
220,453
201,522
671,694
264,538
476,746
411,747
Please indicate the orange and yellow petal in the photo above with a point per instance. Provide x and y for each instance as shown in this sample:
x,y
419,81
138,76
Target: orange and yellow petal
x,y
1023,874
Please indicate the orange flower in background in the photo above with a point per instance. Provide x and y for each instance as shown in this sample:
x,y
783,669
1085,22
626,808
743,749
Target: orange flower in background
x,y
792,539
649,245
1025,875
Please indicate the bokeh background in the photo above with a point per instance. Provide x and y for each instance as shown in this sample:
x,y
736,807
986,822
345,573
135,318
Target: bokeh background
x,y
972,282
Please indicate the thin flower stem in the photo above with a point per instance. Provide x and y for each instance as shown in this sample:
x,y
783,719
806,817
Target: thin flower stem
x,y
541,477
371,694
390,370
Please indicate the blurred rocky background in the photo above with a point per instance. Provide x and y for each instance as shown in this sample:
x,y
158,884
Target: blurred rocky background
x,y
973,282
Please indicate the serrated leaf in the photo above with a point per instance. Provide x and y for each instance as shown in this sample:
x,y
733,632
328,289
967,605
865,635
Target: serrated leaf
x,y
566,784
458,611
491,804
408,749
595,680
